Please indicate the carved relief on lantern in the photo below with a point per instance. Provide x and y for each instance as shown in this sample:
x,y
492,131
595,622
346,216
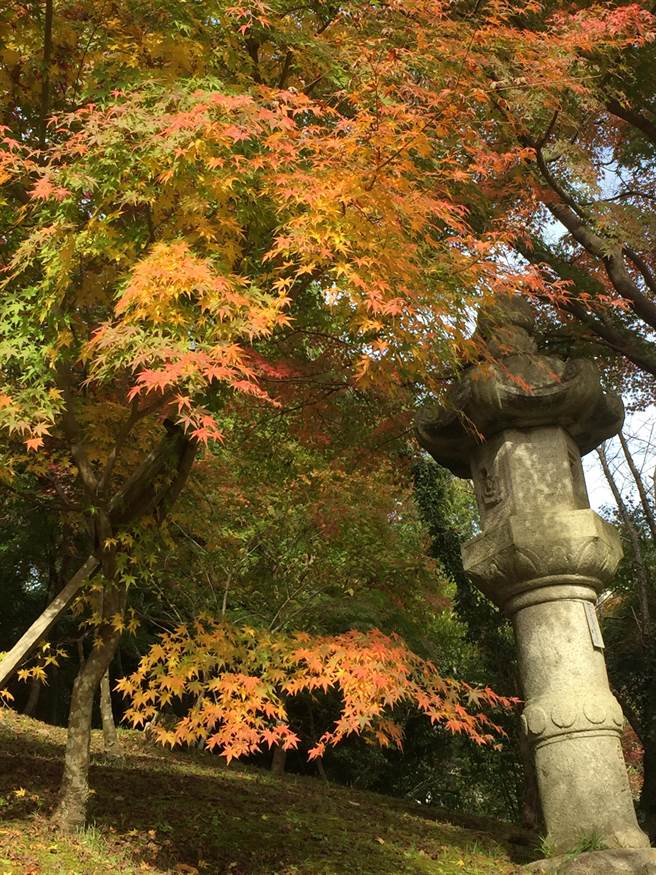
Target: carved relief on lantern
x,y
490,488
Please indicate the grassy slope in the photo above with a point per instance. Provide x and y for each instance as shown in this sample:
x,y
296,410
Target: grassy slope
x,y
179,812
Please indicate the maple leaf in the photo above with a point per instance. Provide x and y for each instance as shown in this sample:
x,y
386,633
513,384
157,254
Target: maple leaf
x,y
317,751
44,188
270,736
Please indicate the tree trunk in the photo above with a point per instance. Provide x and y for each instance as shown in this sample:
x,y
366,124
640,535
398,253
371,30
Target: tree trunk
x,y
640,486
56,696
313,735
110,738
140,495
33,698
278,761
71,810
638,562
321,769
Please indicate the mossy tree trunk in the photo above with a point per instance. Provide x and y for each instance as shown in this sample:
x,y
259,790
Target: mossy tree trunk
x,y
71,810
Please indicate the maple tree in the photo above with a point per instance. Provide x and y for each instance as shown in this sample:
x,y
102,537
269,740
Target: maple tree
x,y
238,677
320,539
312,537
178,181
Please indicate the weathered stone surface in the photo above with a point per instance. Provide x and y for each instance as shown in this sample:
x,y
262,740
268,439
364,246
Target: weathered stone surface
x,y
536,469
518,554
543,555
524,390
625,861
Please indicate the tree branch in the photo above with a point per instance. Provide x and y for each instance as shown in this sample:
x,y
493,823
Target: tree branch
x,y
137,493
632,117
286,67
135,415
165,500
613,334
642,492
638,562
74,437
611,257
642,266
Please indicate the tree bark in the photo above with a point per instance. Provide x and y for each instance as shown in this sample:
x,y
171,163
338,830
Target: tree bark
x,y
110,737
70,813
33,697
278,761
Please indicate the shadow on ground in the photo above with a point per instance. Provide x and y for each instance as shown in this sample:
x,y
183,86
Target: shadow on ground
x,y
187,812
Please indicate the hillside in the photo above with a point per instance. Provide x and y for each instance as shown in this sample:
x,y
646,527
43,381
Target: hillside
x,y
156,811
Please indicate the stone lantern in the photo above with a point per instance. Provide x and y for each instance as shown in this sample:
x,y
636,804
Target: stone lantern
x,y
518,427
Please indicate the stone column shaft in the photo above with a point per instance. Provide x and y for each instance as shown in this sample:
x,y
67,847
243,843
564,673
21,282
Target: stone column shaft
x,y
518,429
543,556
574,724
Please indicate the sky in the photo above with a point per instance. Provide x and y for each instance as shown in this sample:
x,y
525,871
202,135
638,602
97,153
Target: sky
x,y
640,432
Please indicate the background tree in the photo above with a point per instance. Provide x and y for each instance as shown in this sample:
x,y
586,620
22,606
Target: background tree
x,y
588,177
313,538
628,609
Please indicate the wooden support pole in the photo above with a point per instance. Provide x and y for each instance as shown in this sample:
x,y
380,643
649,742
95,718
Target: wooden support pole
x,y
41,626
